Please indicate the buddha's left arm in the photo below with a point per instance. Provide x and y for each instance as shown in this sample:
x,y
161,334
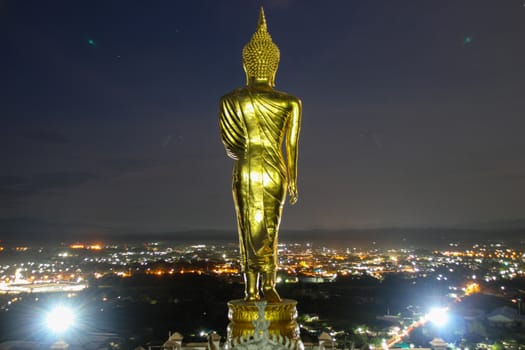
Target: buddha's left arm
x,y
231,128
292,139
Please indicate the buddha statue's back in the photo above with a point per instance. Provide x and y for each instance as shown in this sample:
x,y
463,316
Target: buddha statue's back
x,y
255,121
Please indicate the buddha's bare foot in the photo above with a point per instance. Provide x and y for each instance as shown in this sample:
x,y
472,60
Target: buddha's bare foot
x,y
271,295
251,286
252,297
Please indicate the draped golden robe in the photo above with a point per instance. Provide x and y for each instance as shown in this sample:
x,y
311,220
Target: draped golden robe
x,y
253,124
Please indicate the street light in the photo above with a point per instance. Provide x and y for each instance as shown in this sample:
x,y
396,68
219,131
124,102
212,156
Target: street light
x,y
438,316
60,319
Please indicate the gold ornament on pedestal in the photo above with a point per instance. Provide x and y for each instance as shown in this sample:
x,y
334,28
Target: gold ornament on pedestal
x,y
254,122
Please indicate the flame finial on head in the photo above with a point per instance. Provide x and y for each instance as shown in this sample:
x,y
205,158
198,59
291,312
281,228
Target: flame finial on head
x,y
262,21
261,56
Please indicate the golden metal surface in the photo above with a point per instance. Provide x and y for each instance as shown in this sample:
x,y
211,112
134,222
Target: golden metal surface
x,y
282,317
254,122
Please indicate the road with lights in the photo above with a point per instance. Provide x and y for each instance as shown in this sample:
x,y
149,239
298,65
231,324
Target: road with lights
x,y
438,316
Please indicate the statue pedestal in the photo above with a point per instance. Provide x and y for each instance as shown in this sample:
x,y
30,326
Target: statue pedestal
x,y
282,316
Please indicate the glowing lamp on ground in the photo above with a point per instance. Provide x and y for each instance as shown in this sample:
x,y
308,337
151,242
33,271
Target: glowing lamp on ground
x,y
60,319
438,316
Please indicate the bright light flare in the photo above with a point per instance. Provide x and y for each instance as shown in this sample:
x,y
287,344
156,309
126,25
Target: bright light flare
x,y
60,319
438,316
472,288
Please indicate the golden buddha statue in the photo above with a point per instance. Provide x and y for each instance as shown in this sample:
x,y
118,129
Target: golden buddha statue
x,y
254,122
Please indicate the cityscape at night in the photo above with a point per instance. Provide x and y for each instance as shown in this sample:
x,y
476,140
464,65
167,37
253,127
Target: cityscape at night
x,y
360,296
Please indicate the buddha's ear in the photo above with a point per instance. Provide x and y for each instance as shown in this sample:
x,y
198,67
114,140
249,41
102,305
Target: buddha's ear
x,y
272,79
246,74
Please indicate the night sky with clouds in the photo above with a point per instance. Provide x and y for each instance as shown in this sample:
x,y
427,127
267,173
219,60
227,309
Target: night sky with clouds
x,y
413,112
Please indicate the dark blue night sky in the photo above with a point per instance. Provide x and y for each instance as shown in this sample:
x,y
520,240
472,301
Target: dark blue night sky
x,y
414,112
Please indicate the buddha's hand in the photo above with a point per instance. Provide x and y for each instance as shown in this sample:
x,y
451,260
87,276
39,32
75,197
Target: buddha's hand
x,y
292,188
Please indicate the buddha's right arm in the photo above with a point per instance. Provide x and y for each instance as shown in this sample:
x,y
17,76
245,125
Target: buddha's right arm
x,y
292,139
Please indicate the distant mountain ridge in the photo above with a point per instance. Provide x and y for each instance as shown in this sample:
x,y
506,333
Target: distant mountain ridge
x,y
31,231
